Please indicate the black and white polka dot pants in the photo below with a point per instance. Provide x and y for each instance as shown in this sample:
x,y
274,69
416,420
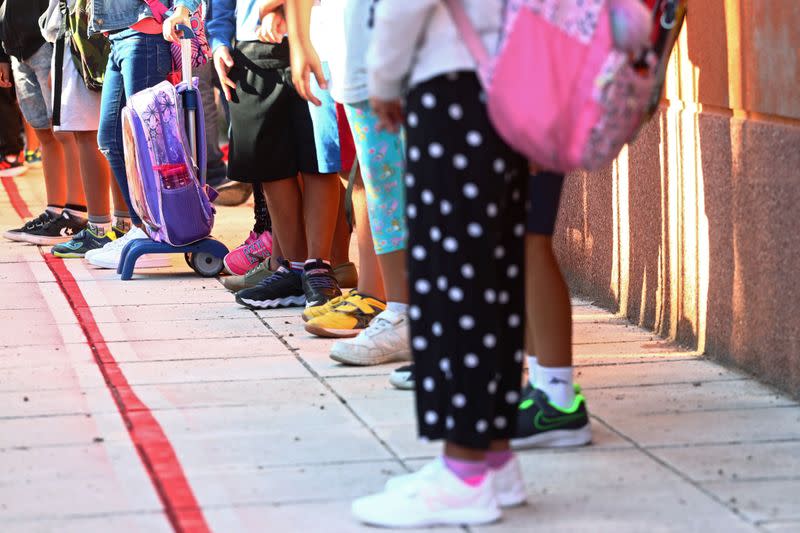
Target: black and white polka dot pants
x,y
466,216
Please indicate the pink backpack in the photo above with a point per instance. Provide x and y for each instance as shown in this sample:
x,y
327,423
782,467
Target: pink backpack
x,y
561,90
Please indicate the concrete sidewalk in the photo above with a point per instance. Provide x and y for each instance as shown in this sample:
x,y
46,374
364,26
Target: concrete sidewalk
x,y
274,436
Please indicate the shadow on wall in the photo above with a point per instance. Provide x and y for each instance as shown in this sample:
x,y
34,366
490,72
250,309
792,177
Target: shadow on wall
x,y
693,231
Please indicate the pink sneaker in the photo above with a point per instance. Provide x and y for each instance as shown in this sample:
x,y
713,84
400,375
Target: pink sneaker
x,y
254,250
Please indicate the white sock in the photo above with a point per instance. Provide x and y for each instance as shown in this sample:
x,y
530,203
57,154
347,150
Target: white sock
x,y
397,307
556,382
55,210
533,370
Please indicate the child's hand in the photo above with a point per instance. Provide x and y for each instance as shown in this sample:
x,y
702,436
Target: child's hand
x,y
223,62
273,27
305,61
390,114
180,16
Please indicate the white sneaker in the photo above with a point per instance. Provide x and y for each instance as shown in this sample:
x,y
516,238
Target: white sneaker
x,y
508,483
108,256
438,497
385,340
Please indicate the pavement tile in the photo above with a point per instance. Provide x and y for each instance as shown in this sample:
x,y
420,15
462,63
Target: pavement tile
x,y
653,373
597,332
166,290
734,462
613,490
291,484
60,376
33,356
149,521
230,448
708,427
66,430
294,517
792,526
235,393
248,326
761,500
193,349
684,397
170,312
233,369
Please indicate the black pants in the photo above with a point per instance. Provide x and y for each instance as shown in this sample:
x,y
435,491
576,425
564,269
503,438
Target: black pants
x,y
466,219
10,124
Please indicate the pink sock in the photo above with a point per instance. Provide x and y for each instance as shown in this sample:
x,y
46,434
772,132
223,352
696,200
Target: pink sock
x,y
470,472
497,460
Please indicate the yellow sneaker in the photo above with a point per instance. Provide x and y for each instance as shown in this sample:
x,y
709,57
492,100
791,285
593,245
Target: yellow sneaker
x,y
347,318
320,310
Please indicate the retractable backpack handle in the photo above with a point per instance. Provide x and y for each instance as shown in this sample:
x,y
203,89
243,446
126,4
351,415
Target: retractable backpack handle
x,y
190,94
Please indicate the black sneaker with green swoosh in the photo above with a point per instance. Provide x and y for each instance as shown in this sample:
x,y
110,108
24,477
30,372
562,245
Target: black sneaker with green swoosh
x,y
540,424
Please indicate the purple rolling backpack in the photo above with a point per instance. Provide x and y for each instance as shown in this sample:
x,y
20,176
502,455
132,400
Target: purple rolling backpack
x,y
167,190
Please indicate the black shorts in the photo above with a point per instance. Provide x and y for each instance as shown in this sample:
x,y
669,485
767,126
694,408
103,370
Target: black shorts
x,y
272,136
544,197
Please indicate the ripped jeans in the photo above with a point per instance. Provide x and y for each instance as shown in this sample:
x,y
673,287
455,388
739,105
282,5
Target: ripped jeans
x,y
137,61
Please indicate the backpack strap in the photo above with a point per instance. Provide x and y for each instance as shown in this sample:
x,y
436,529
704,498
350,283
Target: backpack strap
x,y
159,10
469,34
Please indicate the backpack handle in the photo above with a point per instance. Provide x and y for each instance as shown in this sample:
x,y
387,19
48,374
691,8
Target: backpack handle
x,y
469,34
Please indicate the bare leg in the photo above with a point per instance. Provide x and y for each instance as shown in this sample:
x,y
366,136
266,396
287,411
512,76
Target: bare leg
x,y
320,209
95,172
31,140
395,276
369,273
55,180
340,250
549,313
462,453
285,203
72,166
119,201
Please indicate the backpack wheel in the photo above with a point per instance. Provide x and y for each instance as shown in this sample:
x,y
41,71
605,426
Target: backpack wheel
x,y
205,264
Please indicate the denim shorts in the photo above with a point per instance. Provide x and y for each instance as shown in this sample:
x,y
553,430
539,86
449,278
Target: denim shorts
x,y
32,81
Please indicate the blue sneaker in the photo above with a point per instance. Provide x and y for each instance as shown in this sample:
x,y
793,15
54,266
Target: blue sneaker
x,y
284,288
87,239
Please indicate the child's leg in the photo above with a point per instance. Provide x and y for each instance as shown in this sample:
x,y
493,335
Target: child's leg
x,y
96,177
76,198
369,279
382,159
320,209
285,203
465,240
53,167
31,139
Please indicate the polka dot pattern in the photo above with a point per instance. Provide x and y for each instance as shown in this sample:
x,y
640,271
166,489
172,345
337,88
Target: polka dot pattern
x,y
465,200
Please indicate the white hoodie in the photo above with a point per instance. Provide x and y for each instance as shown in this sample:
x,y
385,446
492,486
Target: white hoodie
x,y
416,40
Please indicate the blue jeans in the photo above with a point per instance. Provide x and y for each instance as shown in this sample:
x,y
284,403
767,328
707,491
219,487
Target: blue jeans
x,y
137,61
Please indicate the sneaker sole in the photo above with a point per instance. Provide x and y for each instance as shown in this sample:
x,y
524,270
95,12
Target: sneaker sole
x,y
45,241
401,384
560,438
454,517
14,172
289,301
68,255
354,360
16,236
331,333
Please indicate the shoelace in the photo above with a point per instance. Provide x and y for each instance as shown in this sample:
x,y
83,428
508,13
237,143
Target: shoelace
x,y
378,325
321,280
280,274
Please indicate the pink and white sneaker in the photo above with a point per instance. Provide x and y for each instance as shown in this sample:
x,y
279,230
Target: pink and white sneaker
x,y
254,250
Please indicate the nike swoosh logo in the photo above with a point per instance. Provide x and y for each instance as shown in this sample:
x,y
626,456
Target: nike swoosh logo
x,y
544,423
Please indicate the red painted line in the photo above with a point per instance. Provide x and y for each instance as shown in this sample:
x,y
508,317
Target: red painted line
x,y
17,202
149,439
